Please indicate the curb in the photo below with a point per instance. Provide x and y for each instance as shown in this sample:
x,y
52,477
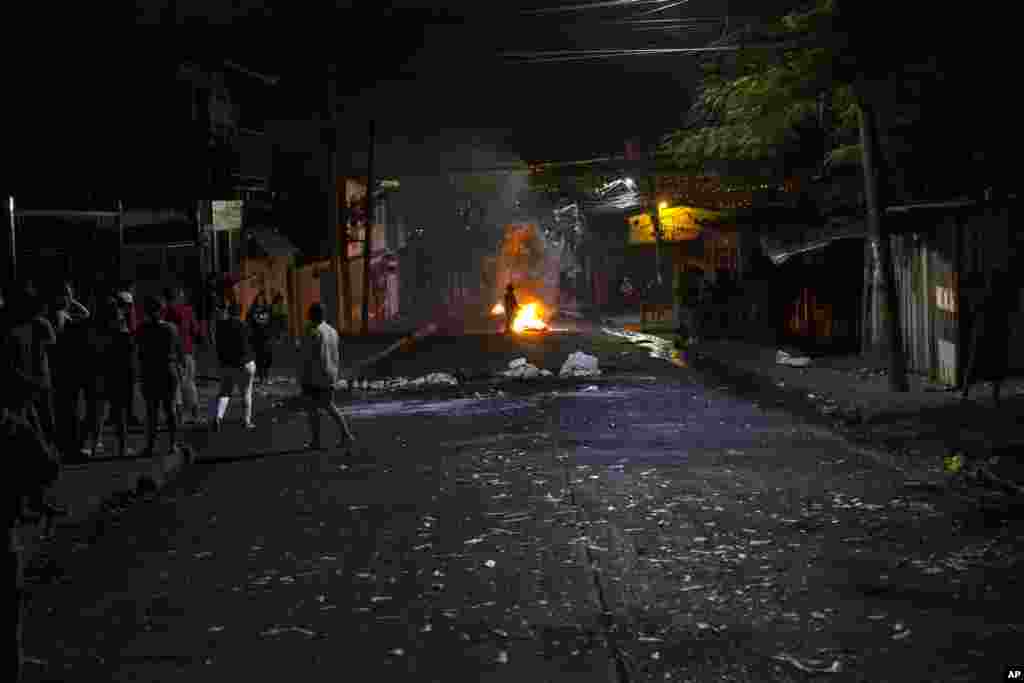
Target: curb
x,y
818,424
160,472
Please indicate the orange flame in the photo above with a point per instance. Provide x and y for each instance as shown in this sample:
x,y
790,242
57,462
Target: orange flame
x,y
528,319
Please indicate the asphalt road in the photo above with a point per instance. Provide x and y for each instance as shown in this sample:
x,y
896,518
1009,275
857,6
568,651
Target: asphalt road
x,y
644,526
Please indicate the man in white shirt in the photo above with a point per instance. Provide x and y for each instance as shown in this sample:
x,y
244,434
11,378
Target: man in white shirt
x,y
320,361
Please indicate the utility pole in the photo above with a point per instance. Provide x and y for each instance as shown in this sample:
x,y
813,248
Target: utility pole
x,y
368,233
889,301
655,224
331,138
120,242
346,270
13,245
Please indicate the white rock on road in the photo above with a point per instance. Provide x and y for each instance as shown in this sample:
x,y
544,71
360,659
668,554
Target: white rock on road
x,y
580,364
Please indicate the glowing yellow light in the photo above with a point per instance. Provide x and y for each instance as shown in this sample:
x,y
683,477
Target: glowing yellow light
x,y
663,205
528,319
498,310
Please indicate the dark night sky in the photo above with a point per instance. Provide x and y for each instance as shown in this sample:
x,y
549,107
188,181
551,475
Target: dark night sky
x,y
418,69
545,111
413,68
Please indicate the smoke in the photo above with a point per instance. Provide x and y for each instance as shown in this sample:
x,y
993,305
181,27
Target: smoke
x,y
460,189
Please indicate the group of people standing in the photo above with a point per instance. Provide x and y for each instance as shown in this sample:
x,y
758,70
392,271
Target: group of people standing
x,y
56,352
105,358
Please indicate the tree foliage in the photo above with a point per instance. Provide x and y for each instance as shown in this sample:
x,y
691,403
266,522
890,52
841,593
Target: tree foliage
x,y
783,107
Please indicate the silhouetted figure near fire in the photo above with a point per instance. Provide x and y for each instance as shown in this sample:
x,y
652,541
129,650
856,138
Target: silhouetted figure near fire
x,y
511,307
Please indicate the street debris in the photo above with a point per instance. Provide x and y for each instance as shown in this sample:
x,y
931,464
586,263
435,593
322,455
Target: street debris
x,y
783,358
579,364
521,369
278,630
398,383
814,666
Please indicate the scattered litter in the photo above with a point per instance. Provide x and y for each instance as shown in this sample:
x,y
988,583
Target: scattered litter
x,y
580,364
783,358
522,370
215,629
278,630
816,666
502,657
397,652
590,387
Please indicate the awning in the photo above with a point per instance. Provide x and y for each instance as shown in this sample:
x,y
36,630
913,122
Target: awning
x,y
272,243
788,242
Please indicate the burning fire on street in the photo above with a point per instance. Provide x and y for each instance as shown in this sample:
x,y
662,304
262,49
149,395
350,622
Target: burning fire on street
x,y
528,318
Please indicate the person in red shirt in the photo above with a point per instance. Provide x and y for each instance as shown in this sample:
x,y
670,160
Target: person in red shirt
x,y
179,312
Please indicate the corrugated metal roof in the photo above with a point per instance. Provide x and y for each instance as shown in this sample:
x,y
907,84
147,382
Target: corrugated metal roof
x,y
785,244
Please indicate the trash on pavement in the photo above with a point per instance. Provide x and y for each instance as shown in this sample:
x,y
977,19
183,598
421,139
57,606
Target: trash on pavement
x,y
521,369
816,666
783,358
953,463
580,364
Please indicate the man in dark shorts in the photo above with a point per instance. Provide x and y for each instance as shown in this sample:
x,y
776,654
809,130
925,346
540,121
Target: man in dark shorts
x,y
318,375
111,353
237,368
160,364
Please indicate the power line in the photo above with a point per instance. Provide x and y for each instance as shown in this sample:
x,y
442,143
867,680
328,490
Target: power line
x,y
549,56
670,5
595,5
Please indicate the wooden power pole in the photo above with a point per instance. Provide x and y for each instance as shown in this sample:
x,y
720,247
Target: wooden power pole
x,y
368,232
879,235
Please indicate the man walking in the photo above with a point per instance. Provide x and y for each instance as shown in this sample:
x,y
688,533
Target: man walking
x,y
318,376
511,307
237,368
181,315
261,335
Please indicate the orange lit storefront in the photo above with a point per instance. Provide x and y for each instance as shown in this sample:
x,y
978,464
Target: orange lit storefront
x,y
686,242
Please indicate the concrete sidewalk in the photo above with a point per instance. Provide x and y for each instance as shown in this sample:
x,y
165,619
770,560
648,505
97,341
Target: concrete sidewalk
x,y
852,393
88,487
